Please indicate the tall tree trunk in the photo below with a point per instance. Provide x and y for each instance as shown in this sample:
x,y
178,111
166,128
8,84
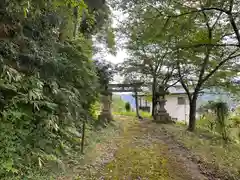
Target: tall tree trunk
x,y
153,96
137,106
192,113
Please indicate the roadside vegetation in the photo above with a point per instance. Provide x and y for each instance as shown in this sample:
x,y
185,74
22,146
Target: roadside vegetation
x,y
49,82
214,144
217,118
216,141
209,150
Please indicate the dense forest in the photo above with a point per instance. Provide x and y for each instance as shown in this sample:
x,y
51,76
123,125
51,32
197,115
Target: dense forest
x,y
49,83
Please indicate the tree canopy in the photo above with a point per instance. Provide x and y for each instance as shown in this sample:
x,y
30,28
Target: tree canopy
x,y
201,39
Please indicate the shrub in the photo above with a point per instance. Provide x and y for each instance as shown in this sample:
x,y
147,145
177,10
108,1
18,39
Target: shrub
x,y
47,88
221,110
48,83
127,106
236,126
216,118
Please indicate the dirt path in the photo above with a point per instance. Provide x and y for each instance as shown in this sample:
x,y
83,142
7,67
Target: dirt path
x,y
144,151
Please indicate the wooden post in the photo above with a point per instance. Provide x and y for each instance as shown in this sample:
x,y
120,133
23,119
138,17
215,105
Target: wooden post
x,y
83,135
136,100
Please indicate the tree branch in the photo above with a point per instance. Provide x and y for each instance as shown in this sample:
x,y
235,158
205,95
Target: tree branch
x,y
160,62
230,6
219,66
198,11
167,76
182,82
207,54
235,28
173,84
207,44
228,12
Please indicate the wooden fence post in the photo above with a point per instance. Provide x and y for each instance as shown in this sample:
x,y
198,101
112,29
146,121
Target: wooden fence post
x,y
83,135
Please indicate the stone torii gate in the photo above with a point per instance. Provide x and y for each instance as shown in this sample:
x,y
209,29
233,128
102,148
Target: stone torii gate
x,y
161,114
106,113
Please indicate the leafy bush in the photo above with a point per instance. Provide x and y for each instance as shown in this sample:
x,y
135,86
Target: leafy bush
x,y
47,87
216,117
236,121
48,81
39,111
207,121
221,110
235,126
127,106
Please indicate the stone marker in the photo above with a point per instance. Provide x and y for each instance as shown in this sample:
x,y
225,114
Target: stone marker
x,y
161,115
106,113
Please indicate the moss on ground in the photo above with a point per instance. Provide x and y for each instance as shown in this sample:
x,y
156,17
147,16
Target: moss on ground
x,y
138,163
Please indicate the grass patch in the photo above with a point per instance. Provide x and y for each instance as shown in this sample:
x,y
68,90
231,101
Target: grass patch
x,y
136,159
96,144
138,163
210,149
133,114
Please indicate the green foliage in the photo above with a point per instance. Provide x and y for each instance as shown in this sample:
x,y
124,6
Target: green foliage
x,y
235,127
216,117
210,150
48,86
95,109
221,111
127,106
105,73
188,40
38,110
118,105
236,121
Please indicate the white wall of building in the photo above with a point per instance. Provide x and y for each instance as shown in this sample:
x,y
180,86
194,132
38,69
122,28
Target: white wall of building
x,y
175,110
